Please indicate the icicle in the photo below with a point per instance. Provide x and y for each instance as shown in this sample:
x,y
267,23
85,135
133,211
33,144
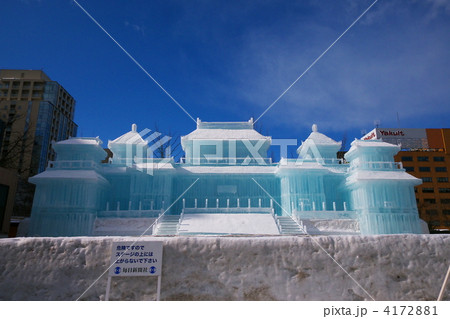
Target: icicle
x,y
345,206
206,203
184,203
228,203
195,203
334,206
238,203
313,206
217,203
259,203
324,206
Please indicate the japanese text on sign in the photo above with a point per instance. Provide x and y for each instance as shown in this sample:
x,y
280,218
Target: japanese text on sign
x,y
136,259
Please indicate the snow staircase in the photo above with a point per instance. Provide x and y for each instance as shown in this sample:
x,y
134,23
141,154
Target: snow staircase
x,y
168,225
288,226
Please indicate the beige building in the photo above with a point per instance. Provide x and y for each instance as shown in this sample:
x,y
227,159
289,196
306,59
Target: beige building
x,y
8,185
34,111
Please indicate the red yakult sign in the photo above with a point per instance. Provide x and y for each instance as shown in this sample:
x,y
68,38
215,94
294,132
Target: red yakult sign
x,y
397,133
406,137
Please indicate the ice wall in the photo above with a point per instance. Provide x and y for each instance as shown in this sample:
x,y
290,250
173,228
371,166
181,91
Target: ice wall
x,y
390,267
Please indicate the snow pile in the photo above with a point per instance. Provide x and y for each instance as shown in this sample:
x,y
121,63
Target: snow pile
x,y
395,267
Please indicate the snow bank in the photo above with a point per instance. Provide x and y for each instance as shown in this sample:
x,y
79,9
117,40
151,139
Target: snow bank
x,y
395,267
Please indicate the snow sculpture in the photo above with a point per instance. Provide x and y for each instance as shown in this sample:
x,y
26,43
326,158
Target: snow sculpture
x,y
382,193
71,191
317,192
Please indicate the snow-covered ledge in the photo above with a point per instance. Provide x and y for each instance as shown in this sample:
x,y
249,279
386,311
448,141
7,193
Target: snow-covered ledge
x,y
394,267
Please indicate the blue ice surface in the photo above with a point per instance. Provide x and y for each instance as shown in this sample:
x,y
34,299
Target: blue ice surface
x,y
225,170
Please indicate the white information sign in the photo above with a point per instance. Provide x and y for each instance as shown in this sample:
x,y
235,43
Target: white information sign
x,y
136,259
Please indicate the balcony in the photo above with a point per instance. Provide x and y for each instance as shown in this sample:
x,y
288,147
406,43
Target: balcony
x,y
227,161
73,165
377,166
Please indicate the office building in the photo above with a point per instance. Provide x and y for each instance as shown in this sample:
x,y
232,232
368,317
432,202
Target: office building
x,y
34,111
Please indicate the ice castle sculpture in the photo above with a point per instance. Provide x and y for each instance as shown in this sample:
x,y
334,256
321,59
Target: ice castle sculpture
x,y
224,185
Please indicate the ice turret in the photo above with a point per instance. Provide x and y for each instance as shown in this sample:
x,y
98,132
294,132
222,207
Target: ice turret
x,y
311,184
318,146
381,191
128,148
70,191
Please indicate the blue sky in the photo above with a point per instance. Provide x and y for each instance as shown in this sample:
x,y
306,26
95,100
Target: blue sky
x,y
229,60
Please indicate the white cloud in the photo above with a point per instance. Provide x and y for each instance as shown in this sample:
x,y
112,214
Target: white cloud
x,y
371,74
138,28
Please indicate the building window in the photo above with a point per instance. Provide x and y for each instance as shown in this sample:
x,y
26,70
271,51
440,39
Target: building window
x,y
445,201
409,168
439,159
431,212
429,200
444,190
427,190
427,179
446,211
424,169
442,179
441,169
407,158
422,158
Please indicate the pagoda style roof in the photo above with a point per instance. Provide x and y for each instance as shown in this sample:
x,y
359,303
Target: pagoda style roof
x,y
319,144
80,141
321,139
371,145
131,137
225,131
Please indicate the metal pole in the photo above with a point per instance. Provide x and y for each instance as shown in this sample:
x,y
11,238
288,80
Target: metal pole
x,y
158,291
441,294
108,287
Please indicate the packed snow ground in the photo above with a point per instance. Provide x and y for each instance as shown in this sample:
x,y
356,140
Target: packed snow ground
x,y
394,267
229,224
